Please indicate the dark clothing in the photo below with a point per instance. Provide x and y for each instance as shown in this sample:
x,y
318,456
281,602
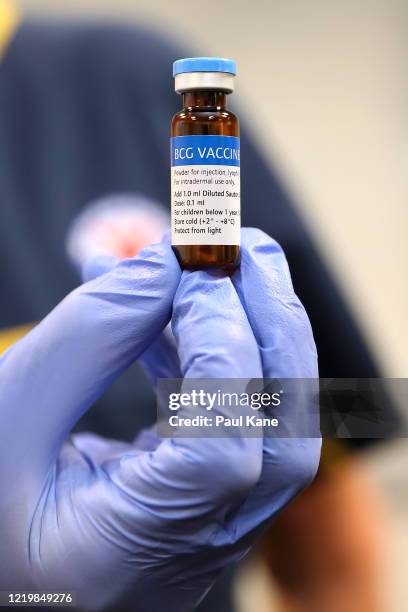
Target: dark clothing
x,y
84,112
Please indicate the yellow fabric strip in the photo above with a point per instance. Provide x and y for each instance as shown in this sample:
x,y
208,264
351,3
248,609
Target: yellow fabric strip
x,y
10,335
9,20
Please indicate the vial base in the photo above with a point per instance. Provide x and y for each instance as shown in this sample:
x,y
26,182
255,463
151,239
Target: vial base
x,y
198,257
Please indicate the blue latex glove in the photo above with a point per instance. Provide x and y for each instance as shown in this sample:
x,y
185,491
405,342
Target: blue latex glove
x,y
155,520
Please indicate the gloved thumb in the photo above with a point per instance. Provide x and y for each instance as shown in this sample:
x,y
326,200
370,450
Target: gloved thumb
x,y
54,374
96,266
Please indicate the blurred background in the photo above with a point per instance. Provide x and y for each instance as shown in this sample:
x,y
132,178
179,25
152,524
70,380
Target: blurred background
x,y
323,87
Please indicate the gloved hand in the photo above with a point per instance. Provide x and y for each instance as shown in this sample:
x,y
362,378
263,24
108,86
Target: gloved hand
x,y
155,520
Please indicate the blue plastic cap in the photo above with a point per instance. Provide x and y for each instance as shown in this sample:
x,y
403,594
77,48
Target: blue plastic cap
x,y
204,64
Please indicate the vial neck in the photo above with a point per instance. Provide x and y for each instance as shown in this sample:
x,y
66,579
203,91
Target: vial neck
x,y
204,99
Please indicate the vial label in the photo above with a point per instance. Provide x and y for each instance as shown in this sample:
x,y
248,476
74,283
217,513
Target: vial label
x,y
205,190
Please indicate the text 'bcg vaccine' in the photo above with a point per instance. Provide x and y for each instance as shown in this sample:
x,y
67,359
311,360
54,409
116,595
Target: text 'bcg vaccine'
x,y
205,166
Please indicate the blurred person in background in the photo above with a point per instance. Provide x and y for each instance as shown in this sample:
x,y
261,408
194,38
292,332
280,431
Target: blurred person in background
x,y
81,116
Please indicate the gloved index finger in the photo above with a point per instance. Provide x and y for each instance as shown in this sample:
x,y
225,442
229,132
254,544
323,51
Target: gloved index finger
x,y
197,476
214,338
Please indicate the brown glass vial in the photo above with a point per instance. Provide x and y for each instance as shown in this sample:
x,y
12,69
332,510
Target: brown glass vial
x,y
205,167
